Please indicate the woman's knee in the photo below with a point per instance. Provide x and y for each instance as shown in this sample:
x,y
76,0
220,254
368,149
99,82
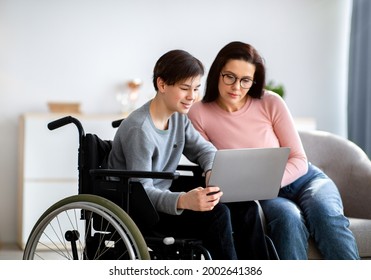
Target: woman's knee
x,y
282,210
290,220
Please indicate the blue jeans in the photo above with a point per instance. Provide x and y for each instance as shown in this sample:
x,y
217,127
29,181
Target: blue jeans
x,y
310,207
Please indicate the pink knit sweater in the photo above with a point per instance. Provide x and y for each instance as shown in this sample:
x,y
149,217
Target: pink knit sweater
x,y
264,122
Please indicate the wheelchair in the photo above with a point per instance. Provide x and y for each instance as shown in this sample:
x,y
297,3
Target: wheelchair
x,y
111,217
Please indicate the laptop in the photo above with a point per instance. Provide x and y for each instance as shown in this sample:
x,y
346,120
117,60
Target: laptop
x,y
249,174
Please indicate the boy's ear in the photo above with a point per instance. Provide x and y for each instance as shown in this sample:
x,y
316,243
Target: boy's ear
x,y
160,84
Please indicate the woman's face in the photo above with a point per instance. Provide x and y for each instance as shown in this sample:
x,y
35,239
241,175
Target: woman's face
x,y
232,96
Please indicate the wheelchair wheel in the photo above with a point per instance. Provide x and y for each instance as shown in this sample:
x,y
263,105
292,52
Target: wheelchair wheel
x,y
85,227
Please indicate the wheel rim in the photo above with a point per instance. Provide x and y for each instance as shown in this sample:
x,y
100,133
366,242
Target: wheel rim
x,y
47,233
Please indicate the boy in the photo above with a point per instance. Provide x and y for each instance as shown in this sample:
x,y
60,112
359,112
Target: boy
x,y
154,137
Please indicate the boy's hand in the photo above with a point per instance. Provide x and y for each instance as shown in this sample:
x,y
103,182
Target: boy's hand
x,y
200,199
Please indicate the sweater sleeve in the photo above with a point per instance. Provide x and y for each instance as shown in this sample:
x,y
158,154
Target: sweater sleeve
x,y
288,136
138,150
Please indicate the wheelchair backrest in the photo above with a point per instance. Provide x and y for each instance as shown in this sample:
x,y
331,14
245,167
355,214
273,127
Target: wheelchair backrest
x,y
95,155
127,194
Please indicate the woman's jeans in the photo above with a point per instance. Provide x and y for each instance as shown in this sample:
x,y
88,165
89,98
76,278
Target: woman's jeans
x,y
310,207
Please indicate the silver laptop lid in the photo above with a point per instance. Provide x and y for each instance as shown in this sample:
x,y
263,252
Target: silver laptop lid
x,y
249,174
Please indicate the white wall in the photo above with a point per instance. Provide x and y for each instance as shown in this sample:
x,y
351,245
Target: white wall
x,y
83,50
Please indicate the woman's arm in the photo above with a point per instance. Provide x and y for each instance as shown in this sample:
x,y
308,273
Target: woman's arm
x,y
287,134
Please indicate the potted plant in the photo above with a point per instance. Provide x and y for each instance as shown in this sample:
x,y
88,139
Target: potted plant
x,y
277,88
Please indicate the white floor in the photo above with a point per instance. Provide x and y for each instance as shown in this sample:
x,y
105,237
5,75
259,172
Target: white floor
x,y
10,252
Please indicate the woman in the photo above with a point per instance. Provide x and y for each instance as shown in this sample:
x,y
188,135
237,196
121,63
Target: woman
x,y
153,138
236,112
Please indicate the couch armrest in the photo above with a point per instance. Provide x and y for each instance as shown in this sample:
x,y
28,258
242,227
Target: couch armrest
x,y
357,199
346,164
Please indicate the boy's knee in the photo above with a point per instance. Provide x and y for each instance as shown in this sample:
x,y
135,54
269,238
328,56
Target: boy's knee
x,y
222,211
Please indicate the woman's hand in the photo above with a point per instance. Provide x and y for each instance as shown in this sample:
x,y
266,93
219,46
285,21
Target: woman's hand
x,y
200,199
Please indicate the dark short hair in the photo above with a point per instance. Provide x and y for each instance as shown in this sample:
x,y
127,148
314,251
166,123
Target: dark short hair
x,y
240,51
175,66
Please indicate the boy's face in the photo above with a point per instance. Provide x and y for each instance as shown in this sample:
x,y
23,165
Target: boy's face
x,y
180,97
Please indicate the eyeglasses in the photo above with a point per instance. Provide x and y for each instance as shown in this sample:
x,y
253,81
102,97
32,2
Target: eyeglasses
x,y
230,79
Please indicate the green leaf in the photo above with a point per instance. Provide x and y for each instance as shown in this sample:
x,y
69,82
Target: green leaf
x,y
277,88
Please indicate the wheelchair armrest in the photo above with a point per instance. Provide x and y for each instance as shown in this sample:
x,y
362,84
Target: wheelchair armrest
x,y
187,167
117,186
195,170
134,174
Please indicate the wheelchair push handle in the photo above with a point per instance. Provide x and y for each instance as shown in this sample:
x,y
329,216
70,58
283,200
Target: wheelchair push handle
x,y
59,123
116,123
64,121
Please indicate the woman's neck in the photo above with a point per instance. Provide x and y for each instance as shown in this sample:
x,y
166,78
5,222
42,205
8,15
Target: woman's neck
x,y
232,107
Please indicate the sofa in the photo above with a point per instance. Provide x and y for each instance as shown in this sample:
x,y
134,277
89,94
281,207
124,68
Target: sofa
x,y
350,168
